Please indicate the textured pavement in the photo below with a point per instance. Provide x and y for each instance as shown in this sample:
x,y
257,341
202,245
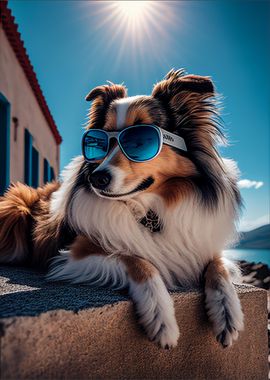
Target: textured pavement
x,y
25,292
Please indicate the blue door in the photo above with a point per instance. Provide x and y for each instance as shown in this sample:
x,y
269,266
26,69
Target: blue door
x,y
4,143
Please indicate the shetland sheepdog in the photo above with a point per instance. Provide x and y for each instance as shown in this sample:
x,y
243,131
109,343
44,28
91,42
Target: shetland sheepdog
x,y
147,226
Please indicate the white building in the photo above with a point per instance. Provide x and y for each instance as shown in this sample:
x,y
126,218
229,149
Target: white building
x,y
29,139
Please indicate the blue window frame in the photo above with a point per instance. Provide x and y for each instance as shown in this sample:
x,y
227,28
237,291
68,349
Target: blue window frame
x,y
35,167
4,143
46,171
28,151
52,173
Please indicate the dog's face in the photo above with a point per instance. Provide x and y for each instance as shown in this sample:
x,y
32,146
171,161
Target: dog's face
x,y
176,104
116,176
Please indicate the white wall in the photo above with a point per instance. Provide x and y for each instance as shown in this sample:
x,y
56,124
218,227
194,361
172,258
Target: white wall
x,y
16,88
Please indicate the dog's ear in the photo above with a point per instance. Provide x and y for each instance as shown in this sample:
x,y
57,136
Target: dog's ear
x,y
191,106
107,92
102,96
176,82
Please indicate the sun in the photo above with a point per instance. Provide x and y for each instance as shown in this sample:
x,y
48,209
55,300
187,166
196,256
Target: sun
x,y
132,30
133,10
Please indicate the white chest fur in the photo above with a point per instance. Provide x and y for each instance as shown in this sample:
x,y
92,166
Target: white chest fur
x,y
188,241
190,238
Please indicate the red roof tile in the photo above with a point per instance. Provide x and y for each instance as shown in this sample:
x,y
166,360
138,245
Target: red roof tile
x,y
14,37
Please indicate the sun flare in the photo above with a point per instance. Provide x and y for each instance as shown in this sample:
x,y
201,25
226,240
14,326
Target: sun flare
x,y
135,30
133,10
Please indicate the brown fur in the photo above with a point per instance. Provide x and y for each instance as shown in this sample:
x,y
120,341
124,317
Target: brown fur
x,y
27,232
46,191
192,105
102,97
168,169
187,97
200,119
215,270
175,190
46,235
15,222
176,82
111,119
138,269
139,113
107,92
83,247
144,110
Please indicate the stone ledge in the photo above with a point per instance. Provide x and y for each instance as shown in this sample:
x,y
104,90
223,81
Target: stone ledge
x,y
53,331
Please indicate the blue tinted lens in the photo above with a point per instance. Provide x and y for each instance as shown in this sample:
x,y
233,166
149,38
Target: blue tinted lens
x,y
140,143
95,145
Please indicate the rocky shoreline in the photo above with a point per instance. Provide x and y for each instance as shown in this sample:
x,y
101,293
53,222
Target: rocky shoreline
x,y
258,274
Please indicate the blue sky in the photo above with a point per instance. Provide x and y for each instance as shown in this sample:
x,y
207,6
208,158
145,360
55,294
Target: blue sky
x,y
77,45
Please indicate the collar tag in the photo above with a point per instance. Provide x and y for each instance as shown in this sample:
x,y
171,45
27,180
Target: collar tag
x,y
151,221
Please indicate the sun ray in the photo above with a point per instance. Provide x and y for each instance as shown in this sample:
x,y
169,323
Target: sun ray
x,y
131,32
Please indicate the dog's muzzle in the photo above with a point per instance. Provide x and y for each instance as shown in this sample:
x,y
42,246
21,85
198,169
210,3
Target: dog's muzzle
x,y
100,179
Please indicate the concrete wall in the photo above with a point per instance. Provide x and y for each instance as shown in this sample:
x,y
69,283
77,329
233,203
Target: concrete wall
x,y
24,106
58,331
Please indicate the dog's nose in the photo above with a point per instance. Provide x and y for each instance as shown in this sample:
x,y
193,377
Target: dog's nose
x,y
100,179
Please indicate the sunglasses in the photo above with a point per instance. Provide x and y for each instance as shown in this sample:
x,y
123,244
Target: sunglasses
x,y
139,143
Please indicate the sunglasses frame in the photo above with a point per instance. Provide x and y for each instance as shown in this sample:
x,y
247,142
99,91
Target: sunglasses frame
x,y
165,137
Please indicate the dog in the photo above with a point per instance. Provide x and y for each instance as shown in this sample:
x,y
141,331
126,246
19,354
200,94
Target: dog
x,y
148,225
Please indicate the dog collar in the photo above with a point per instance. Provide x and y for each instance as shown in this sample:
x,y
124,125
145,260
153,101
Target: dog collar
x,y
151,221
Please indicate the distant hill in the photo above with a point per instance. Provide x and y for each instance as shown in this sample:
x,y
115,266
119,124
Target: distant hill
x,y
256,239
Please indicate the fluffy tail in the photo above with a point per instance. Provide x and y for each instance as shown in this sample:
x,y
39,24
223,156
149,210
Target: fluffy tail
x,y
16,222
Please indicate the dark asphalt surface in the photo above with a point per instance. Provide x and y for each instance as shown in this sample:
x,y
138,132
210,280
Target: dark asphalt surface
x,y
24,292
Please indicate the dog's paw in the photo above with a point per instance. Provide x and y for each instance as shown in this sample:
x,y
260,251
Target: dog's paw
x,y
155,311
227,337
224,312
167,336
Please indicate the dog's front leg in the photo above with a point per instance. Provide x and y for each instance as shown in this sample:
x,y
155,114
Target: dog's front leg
x,y
86,262
222,303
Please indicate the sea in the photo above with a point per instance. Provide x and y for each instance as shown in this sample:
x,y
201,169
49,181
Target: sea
x,y
256,255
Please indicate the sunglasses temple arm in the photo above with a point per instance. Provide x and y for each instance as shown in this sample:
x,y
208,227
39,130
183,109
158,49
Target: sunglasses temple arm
x,y
173,140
